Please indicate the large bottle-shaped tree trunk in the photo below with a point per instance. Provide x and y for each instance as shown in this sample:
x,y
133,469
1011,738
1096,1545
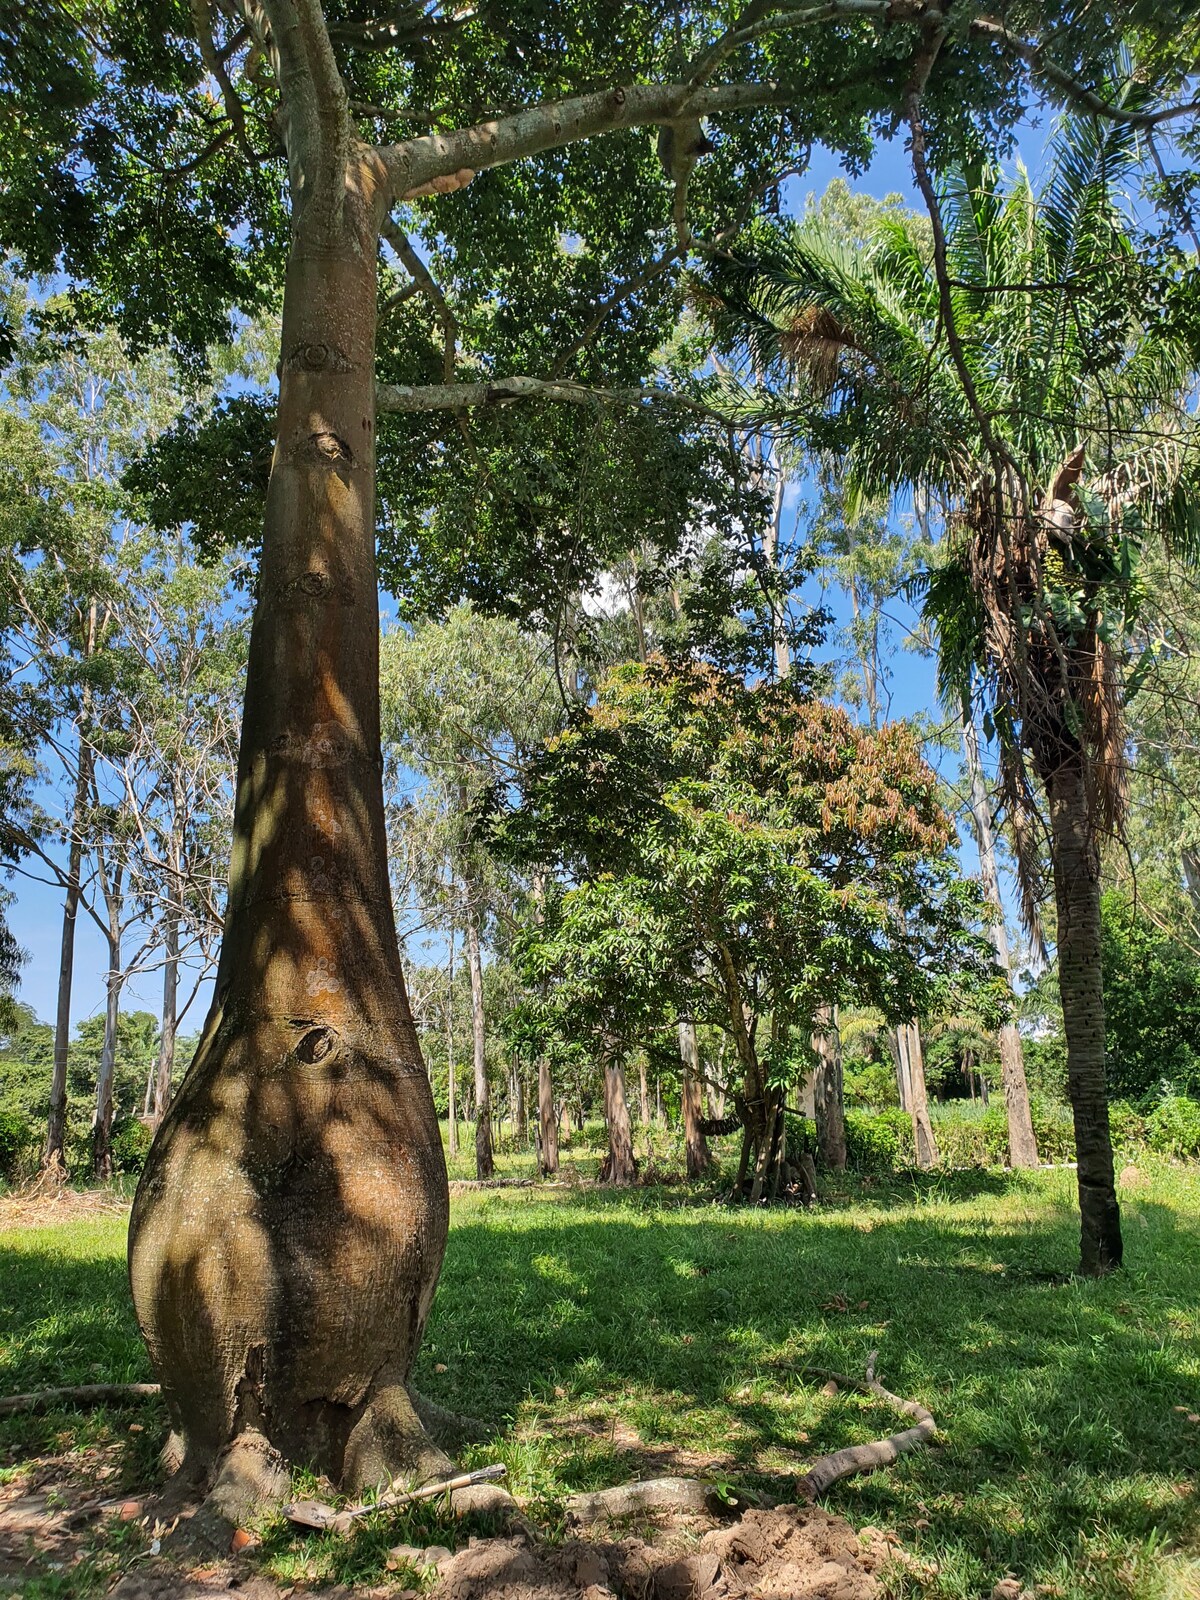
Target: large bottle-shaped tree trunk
x,y
289,1226
1077,898
1022,1145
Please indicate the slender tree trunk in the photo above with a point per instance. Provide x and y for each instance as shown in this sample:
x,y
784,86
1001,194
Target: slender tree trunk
x,y
828,1104
453,1108
485,1161
696,1151
643,1093
166,1043
102,1116
290,1223
1077,898
908,1042
547,1121
54,1156
899,1042
622,1169
1022,1144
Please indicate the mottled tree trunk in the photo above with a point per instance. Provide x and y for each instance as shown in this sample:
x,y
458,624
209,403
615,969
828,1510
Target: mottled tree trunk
x,y
643,1093
547,1121
166,1043
102,1116
828,1103
696,1151
54,1156
912,1073
452,1107
1077,898
485,1161
1022,1144
621,1167
289,1226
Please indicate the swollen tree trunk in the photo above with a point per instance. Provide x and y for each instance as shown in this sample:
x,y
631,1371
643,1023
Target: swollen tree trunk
x,y
620,1167
828,1103
912,1074
1022,1144
102,1116
547,1121
166,1043
485,1161
1077,898
696,1151
289,1226
54,1156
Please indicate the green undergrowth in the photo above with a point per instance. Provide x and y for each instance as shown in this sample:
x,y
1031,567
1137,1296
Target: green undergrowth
x,y
603,1336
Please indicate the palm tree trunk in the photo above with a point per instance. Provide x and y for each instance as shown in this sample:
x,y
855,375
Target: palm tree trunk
x,y
1077,897
485,1162
828,1103
1022,1144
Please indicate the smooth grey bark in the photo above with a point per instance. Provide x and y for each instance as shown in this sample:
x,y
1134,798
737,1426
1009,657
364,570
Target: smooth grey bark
x,y
911,1058
697,1155
1022,1143
54,1155
166,1044
452,1107
485,1161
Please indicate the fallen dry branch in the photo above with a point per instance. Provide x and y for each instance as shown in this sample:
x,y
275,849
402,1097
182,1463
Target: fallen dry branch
x,y
316,1514
827,1471
82,1394
648,1496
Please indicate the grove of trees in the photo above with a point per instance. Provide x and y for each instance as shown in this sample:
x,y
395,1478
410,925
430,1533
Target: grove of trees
x,y
518,318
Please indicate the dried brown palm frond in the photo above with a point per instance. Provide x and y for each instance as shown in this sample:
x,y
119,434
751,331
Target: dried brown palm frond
x,y
812,344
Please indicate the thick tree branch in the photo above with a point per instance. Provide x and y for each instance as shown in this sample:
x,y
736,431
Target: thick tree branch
x,y
214,62
314,104
465,396
1034,57
417,164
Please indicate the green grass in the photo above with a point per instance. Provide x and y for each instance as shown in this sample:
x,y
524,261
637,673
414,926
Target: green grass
x,y
578,1321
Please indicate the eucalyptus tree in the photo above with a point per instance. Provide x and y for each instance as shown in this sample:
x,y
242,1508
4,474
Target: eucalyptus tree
x,y
1021,378
174,163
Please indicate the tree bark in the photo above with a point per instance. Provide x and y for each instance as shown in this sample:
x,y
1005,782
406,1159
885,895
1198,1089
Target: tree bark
x,y
621,1167
485,1161
643,1093
1022,1144
102,1116
54,1157
547,1121
452,1107
1077,898
289,1227
828,1102
912,1073
696,1151
166,1043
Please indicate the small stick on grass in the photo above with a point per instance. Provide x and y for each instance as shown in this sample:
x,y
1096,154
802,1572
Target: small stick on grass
x,y
831,1469
316,1514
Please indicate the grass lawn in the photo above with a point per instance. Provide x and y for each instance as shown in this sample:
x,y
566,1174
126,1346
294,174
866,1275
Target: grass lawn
x,y
607,1336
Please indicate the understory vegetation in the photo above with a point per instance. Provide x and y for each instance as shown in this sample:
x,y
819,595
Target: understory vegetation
x,y
603,1336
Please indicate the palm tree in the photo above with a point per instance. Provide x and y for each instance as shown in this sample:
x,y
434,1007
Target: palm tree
x,y
1010,374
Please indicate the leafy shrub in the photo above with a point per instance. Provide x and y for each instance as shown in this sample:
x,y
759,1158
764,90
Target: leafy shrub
x,y
1174,1127
1053,1129
879,1141
1127,1126
965,1140
130,1143
16,1140
869,1083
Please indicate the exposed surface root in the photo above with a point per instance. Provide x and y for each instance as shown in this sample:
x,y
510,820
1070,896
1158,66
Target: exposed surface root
x,y
831,1469
650,1496
80,1394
